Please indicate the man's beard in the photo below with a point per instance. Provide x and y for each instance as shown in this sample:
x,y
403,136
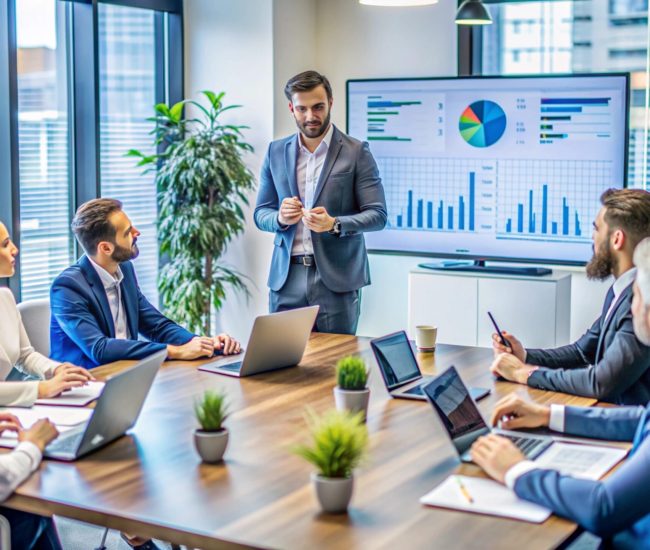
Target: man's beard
x,y
123,254
311,131
602,263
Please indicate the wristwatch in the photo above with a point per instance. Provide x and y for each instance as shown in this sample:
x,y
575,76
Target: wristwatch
x,y
336,228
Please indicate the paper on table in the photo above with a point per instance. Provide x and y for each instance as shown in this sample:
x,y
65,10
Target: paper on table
x,y
10,439
584,461
489,497
76,397
61,416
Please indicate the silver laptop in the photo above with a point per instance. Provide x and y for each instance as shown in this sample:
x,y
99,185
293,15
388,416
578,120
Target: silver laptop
x,y
400,369
277,340
116,411
463,421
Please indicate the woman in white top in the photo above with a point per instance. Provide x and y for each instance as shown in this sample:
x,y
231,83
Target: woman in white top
x,y
27,530
16,351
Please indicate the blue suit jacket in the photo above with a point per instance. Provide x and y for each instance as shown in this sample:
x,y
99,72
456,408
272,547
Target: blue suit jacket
x,y
81,327
608,362
350,189
618,508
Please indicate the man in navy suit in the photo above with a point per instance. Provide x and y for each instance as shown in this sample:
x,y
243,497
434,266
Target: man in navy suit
x,y
98,310
319,191
617,508
608,362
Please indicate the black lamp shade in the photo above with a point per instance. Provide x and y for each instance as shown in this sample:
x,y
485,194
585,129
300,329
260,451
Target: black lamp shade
x,y
473,12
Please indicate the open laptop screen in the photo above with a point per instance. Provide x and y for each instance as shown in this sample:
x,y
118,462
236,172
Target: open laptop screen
x,y
453,403
395,359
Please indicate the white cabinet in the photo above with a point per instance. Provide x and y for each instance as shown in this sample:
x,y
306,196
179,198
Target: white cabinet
x,y
536,309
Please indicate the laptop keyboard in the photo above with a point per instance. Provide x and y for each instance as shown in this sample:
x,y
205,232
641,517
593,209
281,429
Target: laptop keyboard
x,y
66,443
415,390
235,367
527,445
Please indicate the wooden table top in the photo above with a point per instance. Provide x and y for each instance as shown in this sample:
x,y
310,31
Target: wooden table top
x,y
153,483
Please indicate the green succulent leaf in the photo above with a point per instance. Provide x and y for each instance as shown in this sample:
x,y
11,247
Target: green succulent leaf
x,y
339,442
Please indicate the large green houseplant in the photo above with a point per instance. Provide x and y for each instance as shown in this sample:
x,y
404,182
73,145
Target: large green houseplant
x,y
202,184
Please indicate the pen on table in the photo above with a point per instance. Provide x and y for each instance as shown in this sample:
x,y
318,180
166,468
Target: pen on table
x,y
464,490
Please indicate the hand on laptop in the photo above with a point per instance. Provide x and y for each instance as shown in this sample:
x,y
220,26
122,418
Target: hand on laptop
x,y
226,344
517,348
496,455
40,434
9,422
199,346
509,367
513,413
66,376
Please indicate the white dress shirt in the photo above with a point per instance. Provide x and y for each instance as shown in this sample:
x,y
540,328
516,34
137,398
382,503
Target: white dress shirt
x,y
619,286
308,169
556,423
15,467
115,302
16,351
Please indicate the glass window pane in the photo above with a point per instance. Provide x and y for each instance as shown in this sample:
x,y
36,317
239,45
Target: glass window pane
x,y
43,144
127,96
580,37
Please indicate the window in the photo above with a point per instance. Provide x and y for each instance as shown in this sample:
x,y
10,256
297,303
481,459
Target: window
x,y
127,95
79,80
581,36
43,144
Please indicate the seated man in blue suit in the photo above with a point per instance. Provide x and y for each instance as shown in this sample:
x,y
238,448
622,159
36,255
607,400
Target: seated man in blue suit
x,y
617,508
98,310
608,362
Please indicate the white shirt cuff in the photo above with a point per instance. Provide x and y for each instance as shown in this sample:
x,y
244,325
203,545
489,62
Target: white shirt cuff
x,y
32,451
556,422
518,470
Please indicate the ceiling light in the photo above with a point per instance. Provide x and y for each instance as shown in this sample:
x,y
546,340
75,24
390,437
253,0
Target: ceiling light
x,y
473,12
398,3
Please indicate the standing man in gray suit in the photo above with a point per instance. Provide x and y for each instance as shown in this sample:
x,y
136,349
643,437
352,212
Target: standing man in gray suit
x,y
319,191
608,362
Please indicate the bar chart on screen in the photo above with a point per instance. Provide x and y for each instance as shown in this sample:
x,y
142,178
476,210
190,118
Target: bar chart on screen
x,y
550,201
440,194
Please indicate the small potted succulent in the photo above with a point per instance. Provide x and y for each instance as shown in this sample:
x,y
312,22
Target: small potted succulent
x,y
211,438
340,442
351,392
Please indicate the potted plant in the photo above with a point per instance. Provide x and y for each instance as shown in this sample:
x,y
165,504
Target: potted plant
x,y
351,392
203,183
340,442
211,438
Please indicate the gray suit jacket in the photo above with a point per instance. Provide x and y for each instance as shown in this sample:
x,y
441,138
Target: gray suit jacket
x,y
607,362
349,188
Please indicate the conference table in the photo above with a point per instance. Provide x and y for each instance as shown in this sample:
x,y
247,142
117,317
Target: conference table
x,y
152,482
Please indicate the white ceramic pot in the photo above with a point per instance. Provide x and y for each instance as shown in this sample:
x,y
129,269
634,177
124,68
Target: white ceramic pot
x,y
352,400
333,493
211,445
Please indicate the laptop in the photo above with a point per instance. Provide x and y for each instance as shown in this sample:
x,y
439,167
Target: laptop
x,y
116,411
278,340
463,421
400,370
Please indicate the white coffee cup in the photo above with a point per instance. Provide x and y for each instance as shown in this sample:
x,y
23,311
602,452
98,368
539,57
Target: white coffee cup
x,y
425,337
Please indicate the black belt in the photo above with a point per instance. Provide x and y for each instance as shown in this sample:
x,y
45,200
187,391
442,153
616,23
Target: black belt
x,y
307,260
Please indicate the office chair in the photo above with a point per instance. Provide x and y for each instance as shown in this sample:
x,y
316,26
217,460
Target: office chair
x,y
36,318
5,533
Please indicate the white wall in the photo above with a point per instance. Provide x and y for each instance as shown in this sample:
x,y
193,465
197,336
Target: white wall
x,y
229,47
249,48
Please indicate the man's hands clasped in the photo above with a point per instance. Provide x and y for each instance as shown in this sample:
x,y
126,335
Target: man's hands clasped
x,y
317,219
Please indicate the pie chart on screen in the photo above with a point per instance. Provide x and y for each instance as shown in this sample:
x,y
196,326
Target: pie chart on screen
x,y
482,123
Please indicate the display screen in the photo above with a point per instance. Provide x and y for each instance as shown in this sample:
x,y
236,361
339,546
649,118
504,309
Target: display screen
x,y
452,401
395,359
493,168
